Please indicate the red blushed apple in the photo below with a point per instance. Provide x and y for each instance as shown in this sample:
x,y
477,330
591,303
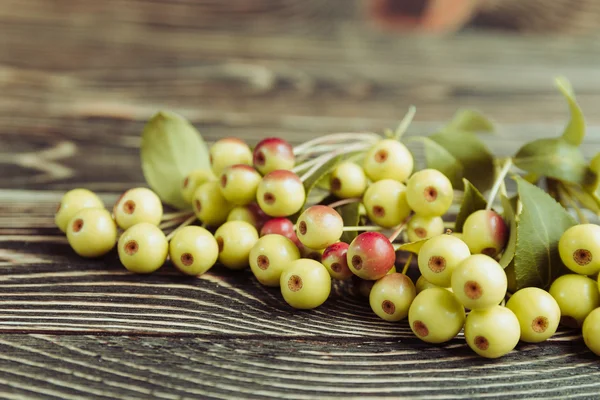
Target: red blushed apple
x,y
334,259
250,213
485,232
273,153
370,255
280,226
319,226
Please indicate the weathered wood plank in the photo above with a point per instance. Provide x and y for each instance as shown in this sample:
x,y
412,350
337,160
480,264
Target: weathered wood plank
x,y
172,368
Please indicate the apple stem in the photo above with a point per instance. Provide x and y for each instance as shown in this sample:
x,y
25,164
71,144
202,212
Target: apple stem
x,y
498,183
362,228
183,225
399,229
343,202
404,124
407,264
337,137
176,215
165,224
323,159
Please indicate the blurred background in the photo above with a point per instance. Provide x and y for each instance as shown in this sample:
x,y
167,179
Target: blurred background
x,y
88,74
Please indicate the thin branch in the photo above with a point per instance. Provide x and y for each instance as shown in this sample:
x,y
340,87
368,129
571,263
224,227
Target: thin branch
x,y
337,137
343,202
183,225
362,228
399,229
406,121
407,264
498,183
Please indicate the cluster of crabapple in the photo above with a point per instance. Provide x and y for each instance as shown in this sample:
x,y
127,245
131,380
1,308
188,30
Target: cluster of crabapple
x,y
246,204
577,294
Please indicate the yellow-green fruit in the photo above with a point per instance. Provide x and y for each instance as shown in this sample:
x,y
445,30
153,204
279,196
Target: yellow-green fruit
x,y
239,183
429,192
579,248
577,296
538,313
391,296
423,284
479,282
420,227
270,256
305,284
136,206
385,202
348,180
280,193
436,315
440,256
193,250
194,179
388,159
229,151
143,248
250,213
72,202
235,240
92,232
591,331
492,332
209,204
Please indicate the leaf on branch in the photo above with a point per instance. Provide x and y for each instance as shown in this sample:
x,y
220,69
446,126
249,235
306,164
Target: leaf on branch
x,y
413,247
470,121
472,201
555,158
351,215
541,224
593,187
171,148
510,217
439,158
472,154
575,130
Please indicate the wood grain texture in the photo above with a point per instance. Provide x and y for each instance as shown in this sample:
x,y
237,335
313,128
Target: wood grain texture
x,y
78,80
71,367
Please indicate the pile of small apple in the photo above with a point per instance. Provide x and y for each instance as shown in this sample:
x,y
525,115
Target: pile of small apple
x,y
252,209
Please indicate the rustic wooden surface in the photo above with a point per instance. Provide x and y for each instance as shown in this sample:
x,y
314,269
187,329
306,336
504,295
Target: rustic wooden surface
x,y
79,79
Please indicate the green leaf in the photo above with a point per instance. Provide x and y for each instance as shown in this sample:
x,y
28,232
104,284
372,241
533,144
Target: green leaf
x,y
439,158
413,247
575,130
587,200
593,187
470,121
555,158
171,148
509,215
472,201
472,154
541,224
510,277
351,215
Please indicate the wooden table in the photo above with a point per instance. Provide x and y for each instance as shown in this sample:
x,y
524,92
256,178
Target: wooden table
x,y
78,80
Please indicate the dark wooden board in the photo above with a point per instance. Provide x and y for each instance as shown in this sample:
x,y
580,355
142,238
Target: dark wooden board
x,y
78,81
70,367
